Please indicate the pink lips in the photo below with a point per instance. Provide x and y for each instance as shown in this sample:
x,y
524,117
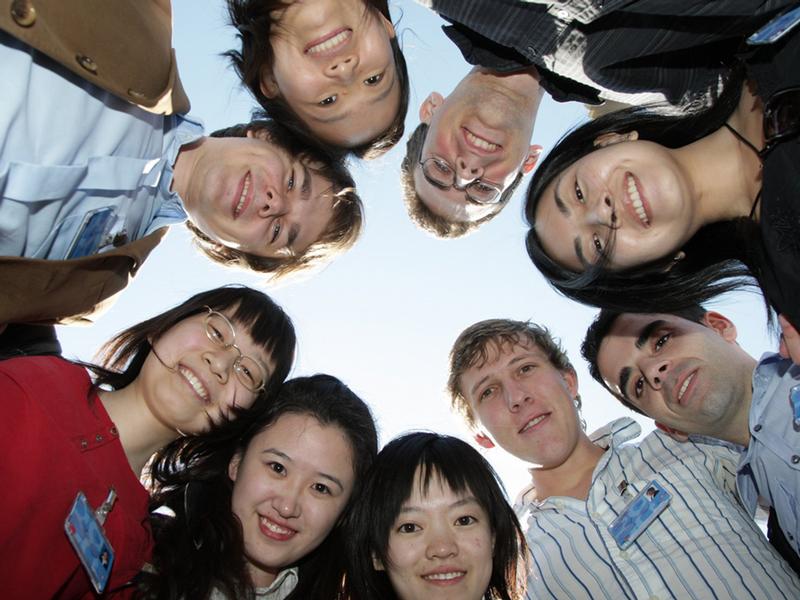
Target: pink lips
x,y
459,575
239,210
628,202
325,38
465,132
268,529
526,428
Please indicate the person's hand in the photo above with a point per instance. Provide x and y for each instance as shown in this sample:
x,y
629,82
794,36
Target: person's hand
x,y
790,341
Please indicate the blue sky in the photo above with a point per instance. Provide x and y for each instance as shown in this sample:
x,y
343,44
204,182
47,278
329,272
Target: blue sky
x,y
383,317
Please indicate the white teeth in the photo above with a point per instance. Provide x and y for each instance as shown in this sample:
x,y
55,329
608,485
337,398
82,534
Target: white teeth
x,y
636,200
275,528
481,143
533,422
445,576
196,384
331,43
245,189
685,385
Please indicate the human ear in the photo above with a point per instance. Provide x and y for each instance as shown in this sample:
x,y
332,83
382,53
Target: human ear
x,y
233,466
675,434
611,138
571,379
533,157
387,24
429,106
721,324
483,440
269,87
377,563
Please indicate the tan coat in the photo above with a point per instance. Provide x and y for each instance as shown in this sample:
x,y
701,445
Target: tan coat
x,y
124,47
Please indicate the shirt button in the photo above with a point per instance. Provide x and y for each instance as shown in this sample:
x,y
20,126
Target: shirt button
x,y
23,13
98,438
113,431
84,443
87,63
757,428
795,459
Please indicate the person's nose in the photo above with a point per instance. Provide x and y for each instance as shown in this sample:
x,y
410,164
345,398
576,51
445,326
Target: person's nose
x,y
655,370
441,542
342,67
287,502
272,202
602,212
468,169
516,395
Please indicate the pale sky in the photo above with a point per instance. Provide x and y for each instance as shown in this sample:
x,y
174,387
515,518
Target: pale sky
x,y
383,317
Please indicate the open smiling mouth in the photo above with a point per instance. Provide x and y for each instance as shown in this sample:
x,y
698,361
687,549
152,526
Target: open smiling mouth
x,y
636,200
448,576
195,384
274,531
533,423
480,143
330,42
240,205
685,386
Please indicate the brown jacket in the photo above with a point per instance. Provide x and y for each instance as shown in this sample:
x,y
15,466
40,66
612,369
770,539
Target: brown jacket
x,y
124,47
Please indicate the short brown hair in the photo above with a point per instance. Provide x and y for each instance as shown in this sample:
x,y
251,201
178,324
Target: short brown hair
x,y
342,231
472,349
422,216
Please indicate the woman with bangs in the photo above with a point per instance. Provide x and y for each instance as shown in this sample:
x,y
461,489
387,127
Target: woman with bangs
x,y
432,521
259,515
333,68
75,445
646,211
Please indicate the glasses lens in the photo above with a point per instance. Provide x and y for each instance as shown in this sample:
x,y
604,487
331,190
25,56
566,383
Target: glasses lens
x,y
438,171
482,193
219,330
251,373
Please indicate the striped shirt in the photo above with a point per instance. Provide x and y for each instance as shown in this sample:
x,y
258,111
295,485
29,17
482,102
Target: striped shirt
x,y
629,51
703,545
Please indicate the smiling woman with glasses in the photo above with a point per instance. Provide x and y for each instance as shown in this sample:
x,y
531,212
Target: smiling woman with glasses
x,y
212,362
646,211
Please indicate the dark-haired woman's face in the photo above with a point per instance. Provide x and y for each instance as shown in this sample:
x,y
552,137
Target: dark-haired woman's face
x,y
440,546
334,66
635,190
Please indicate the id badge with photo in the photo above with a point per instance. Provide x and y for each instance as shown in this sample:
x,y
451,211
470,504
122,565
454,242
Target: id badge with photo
x,y
92,233
86,535
776,28
639,513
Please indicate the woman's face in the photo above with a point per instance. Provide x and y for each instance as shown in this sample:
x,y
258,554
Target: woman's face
x,y
633,189
334,66
289,489
440,546
189,381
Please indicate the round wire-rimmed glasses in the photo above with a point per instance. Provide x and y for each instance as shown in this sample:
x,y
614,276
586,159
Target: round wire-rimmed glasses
x,y
438,172
250,372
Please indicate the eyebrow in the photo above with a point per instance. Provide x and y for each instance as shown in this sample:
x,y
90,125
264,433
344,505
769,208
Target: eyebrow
x,y
560,204
305,194
288,458
644,335
510,363
346,114
456,504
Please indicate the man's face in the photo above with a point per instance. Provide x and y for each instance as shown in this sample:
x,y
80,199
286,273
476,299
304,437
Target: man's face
x,y
689,376
250,194
483,133
525,404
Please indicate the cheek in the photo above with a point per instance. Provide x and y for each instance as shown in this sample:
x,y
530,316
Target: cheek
x,y
298,78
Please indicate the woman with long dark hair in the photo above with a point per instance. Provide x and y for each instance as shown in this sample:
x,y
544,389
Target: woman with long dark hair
x,y
432,521
74,445
330,67
258,515
646,211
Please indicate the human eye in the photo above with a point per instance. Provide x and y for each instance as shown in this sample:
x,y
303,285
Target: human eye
x,y
579,193
483,188
526,368
638,387
441,166
486,393
328,101
597,243
291,182
247,373
276,231
277,467
465,520
408,528
661,340
216,334
321,488
374,80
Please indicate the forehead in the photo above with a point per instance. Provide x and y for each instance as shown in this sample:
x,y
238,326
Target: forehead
x,y
435,490
244,339
554,225
498,353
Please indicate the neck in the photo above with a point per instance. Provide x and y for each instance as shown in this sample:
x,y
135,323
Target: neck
x,y
184,167
736,428
573,477
140,433
725,173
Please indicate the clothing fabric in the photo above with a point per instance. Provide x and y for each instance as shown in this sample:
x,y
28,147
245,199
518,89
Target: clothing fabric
x,y
770,468
279,589
630,51
123,47
775,68
703,545
58,440
56,171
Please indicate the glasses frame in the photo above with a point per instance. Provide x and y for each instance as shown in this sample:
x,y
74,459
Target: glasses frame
x,y
774,131
465,188
237,364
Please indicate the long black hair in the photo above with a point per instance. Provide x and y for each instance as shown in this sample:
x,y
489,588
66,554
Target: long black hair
x,y
719,258
254,22
390,484
201,547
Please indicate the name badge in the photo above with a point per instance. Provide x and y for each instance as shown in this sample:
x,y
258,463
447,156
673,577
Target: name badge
x,y
639,513
85,532
92,233
776,28
794,398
